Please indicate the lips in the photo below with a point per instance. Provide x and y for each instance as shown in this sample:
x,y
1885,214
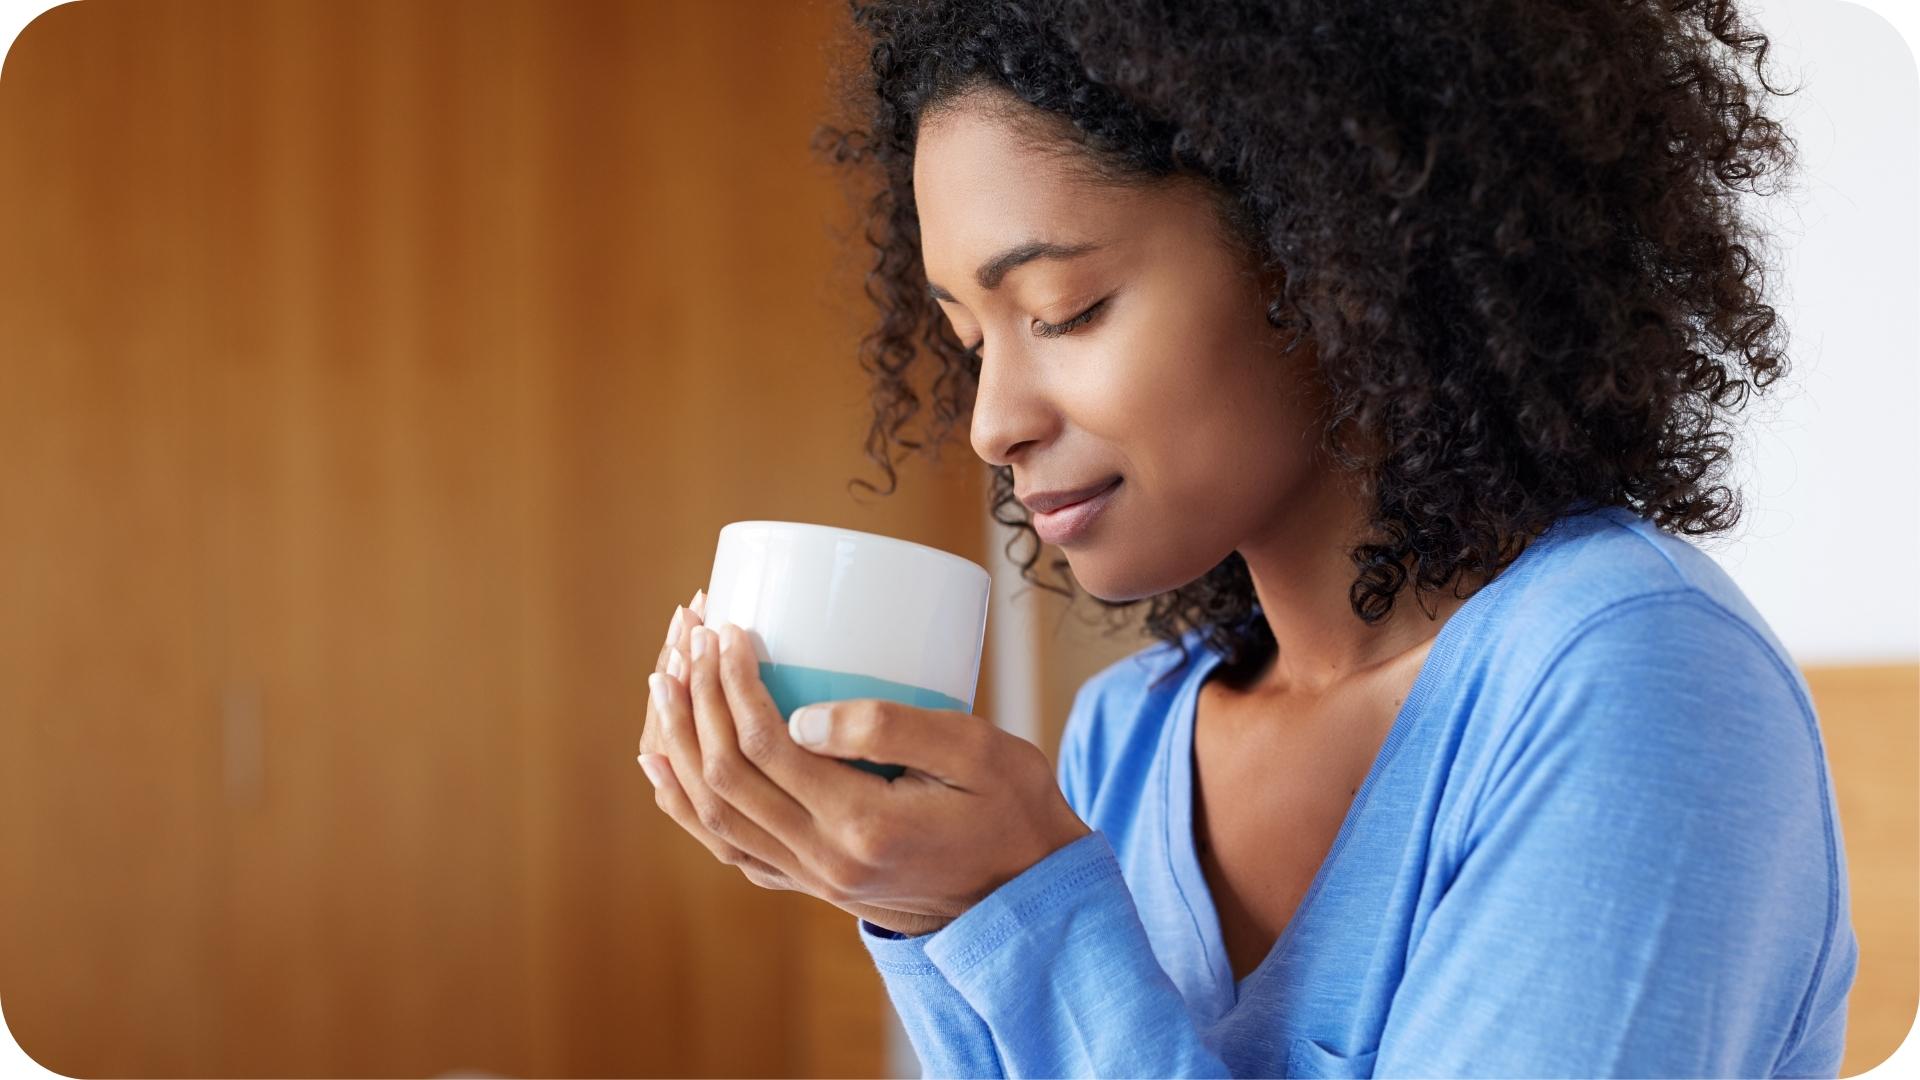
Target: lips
x,y
1069,523
1048,501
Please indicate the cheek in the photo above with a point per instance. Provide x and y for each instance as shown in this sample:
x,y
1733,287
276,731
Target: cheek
x,y
1234,434
1165,369
1246,451
1192,392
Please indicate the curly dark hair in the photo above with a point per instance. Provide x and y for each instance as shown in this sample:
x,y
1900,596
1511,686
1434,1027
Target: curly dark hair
x,y
1507,227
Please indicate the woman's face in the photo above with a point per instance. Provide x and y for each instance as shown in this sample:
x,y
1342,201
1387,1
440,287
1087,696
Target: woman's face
x,y
1146,356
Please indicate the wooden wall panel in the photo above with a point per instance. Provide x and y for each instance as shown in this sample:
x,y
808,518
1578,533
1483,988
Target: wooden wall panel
x,y
1870,722
379,375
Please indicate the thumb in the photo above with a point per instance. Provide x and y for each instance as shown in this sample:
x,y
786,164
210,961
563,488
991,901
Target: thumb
x,y
939,742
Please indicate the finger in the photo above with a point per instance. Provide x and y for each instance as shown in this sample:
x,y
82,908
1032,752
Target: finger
x,y
683,617
956,748
671,797
826,788
712,813
726,769
649,740
686,617
675,631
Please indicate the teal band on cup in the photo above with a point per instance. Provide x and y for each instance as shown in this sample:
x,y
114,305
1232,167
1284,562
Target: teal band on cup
x,y
793,685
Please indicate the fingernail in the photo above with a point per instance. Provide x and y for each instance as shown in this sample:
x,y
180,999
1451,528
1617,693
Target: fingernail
x,y
673,663
700,602
700,636
673,628
648,766
809,725
726,640
655,692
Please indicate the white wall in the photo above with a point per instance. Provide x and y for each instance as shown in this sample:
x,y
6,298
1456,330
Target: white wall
x,y
1831,469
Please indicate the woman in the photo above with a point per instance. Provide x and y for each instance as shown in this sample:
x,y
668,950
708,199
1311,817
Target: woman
x,y
1325,301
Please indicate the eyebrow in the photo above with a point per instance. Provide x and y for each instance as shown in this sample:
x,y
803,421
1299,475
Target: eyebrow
x,y
993,270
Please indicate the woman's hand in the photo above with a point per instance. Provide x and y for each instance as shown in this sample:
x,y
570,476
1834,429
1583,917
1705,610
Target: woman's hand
x,y
670,796
975,807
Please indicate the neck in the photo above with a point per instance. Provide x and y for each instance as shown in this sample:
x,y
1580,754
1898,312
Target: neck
x,y
1302,576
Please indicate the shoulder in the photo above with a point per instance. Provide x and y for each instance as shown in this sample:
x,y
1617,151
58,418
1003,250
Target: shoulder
x,y
1658,748
1664,683
1628,667
1609,587
1616,665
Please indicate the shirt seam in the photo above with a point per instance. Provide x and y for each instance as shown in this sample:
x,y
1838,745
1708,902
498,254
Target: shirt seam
x,y
902,967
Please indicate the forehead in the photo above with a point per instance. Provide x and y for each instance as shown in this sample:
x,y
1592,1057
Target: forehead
x,y
983,178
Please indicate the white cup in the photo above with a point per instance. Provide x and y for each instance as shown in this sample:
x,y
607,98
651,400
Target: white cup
x,y
836,613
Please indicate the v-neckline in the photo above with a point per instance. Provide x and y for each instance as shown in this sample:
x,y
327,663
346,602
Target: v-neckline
x,y
1182,854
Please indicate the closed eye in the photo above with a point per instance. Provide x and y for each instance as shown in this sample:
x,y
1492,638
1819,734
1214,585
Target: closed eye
x,y
1043,328
1047,329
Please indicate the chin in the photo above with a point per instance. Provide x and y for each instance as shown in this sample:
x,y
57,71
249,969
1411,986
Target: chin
x,y
1113,588
1123,568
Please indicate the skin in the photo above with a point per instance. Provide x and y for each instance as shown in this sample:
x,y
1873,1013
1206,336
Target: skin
x,y
1174,382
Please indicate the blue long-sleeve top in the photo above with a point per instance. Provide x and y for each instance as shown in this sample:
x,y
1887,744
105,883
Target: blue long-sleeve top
x,y
1599,839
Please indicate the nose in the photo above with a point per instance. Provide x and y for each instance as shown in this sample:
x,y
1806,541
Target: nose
x,y
1010,408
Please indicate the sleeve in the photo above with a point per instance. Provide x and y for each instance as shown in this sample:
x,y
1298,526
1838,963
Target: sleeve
x,y
1057,964
1050,975
949,1037
1649,880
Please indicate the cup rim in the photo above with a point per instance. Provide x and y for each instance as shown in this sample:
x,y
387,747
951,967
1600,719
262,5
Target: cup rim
x,y
842,530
